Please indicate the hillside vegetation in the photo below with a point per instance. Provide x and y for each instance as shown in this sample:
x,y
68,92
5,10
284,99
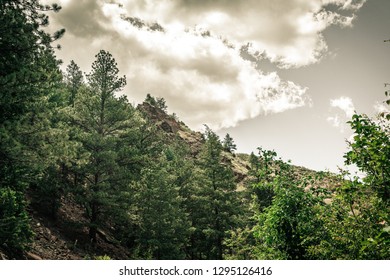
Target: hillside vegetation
x,y
84,174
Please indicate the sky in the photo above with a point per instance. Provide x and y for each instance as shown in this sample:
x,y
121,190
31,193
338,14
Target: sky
x,y
282,74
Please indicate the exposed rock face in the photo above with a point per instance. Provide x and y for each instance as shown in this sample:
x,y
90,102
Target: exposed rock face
x,y
193,139
166,127
170,125
159,117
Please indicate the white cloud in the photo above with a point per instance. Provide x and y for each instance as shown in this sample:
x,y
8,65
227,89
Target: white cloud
x,y
345,104
289,32
380,107
339,119
204,79
347,4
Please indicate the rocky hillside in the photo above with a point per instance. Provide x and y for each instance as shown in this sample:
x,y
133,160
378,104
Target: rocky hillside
x,y
239,161
193,139
65,237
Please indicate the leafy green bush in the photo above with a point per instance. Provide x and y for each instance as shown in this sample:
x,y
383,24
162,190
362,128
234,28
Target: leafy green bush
x,y
357,220
288,225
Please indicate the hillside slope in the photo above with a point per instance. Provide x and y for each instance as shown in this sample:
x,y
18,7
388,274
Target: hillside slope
x,y
66,236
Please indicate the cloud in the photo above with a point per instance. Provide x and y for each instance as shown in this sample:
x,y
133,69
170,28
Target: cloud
x,y
288,32
204,81
380,108
339,119
345,104
76,17
194,58
347,4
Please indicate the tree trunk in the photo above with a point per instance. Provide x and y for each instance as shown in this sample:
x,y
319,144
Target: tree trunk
x,y
93,223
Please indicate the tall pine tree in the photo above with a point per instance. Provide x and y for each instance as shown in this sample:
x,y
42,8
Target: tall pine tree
x,y
164,227
29,75
103,124
218,200
74,80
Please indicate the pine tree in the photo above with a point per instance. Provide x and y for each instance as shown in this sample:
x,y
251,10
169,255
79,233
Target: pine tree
x,y
164,227
29,75
73,80
217,198
228,144
103,124
158,102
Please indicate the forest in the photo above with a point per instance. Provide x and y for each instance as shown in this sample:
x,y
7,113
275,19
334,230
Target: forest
x,y
142,185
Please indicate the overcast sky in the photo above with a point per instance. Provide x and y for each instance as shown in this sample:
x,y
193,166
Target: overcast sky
x,y
281,74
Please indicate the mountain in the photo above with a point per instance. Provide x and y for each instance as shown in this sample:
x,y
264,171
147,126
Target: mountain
x,y
65,237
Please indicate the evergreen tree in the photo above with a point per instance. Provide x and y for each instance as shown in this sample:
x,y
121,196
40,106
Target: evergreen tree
x,y
73,80
158,102
103,124
164,227
29,75
15,232
161,104
253,161
150,99
267,167
217,198
228,144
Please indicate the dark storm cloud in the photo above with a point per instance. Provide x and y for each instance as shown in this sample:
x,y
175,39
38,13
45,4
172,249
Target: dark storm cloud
x,y
83,18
